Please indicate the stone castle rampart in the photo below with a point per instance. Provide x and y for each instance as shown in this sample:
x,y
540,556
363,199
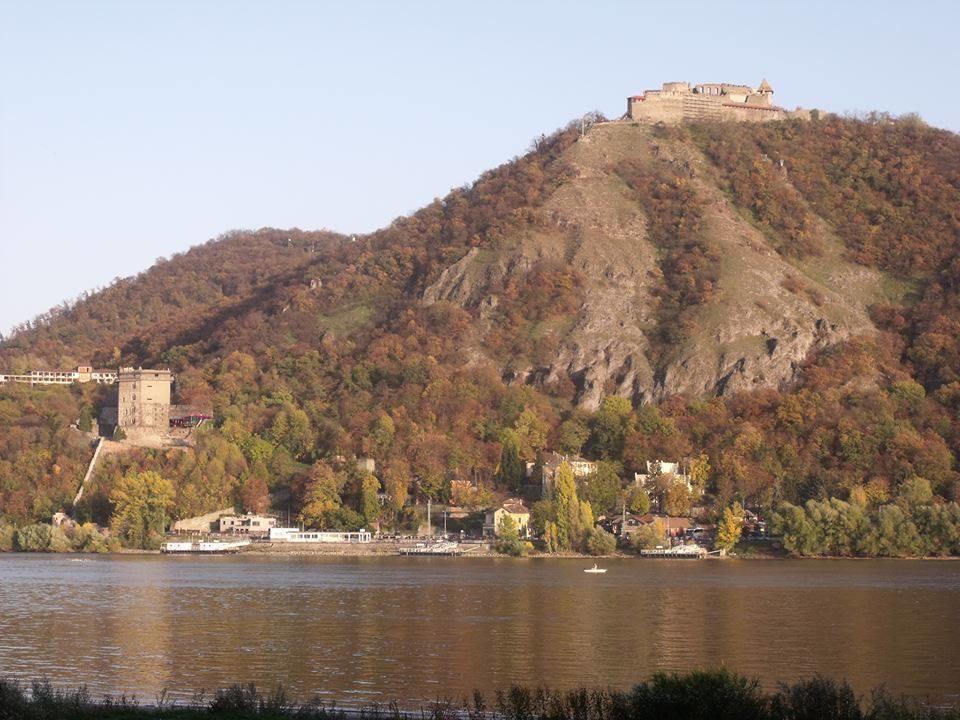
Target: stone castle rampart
x,y
678,102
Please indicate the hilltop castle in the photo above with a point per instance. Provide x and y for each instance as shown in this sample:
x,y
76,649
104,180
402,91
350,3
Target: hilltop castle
x,y
680,102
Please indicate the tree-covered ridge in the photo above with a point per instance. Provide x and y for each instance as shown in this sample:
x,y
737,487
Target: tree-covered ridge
x,y
141,317
321,348
890,190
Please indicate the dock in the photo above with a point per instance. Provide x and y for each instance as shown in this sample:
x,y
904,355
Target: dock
x,y
443,548
680,552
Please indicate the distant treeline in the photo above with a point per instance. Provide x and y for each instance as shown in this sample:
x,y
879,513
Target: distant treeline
x,y
700,695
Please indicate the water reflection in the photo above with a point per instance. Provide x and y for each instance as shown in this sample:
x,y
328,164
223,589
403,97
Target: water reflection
x,y
375,629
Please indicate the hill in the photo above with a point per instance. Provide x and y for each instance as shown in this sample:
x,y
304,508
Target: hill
x,y
779,299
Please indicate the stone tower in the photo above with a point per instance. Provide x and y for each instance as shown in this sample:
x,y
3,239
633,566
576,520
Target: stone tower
x,y
143,407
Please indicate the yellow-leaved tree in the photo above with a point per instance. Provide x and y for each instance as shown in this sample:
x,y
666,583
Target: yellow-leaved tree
x,y
140,504
730,527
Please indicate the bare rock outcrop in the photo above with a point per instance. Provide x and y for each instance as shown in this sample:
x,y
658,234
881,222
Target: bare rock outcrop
x,y
767,315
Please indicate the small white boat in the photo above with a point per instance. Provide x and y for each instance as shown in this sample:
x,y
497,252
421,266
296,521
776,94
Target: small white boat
x,y
595,570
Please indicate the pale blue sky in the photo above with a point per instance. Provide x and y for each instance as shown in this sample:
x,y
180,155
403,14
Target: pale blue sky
x,y
132,130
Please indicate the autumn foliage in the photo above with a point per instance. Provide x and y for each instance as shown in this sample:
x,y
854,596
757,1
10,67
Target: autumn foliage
x,y
313,346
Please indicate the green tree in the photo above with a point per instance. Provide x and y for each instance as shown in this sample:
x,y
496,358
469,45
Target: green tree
x,y
677,499
86,419
7,535
796,532
638,500
140,503
291,429
34,538
938,525
730,527
566,507
602,488
396,479
895,534
511,470
915,491
600,542
380,439
342,519
369,501
509,541
609,427
699,473
322,498
571,435
649,536
88,538
531,432
551,537
542,513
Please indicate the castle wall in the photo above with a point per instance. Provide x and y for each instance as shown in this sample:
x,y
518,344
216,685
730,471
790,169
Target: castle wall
x,y
753,113
677,102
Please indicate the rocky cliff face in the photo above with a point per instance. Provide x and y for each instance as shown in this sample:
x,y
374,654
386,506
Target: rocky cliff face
x,y
768,312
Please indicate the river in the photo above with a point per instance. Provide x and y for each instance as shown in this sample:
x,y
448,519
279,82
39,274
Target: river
x,y
374,629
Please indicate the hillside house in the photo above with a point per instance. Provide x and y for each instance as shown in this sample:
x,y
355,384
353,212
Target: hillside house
x,y
661,469
513,508
550,463
625,527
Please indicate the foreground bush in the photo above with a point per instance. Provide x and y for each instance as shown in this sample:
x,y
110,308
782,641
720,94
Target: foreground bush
x,y
42,537
699,695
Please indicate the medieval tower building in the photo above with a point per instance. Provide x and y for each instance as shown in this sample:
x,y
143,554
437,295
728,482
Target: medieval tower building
x,y
143,408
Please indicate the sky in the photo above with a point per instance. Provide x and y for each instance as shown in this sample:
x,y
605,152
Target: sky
x,y
133,130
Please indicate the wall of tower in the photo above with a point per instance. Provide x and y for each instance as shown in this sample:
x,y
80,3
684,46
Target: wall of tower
x,y
143,401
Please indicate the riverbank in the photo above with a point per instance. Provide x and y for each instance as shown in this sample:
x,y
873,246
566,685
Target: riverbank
x,y
696,695
387,548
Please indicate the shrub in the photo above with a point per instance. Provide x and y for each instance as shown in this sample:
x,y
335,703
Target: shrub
x,y
717,694
88,538
33,538
600,542
815,699
7,533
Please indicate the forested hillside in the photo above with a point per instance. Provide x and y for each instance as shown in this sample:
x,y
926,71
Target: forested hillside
x,y
778,300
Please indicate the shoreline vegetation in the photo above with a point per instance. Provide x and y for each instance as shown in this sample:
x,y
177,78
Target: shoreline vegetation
x,y
353,379
703,694
389,549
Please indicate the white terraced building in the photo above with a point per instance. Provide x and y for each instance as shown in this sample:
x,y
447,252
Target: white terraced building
x,y
83,374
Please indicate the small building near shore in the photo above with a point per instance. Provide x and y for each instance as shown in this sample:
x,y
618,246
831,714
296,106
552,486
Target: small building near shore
x,y
547,468
624,527
62,520
513,508
246,524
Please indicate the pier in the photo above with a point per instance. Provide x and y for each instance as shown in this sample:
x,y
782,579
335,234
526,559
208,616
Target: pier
x,y
444,548
691,552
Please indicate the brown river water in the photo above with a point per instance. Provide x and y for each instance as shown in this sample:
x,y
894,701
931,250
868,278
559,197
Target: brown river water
x,y
358,630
